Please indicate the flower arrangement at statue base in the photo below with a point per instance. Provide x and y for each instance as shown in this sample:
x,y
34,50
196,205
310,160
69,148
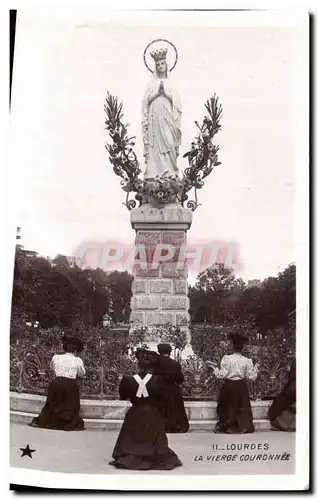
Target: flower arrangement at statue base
x,y
170,334
162,190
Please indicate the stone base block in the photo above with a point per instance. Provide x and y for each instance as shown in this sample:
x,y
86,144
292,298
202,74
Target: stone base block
x,y
145,302
160,290
180,286
137,319
161,286
139,286
173,270
146,271
158,318
175,303
182,319
169,217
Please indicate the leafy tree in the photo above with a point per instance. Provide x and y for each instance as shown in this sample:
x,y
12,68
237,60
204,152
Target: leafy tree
x,y
58,294
61,260
276,300
119,285
219,298
212,290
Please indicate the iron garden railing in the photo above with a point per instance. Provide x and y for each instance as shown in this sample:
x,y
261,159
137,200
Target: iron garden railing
x,y
30,373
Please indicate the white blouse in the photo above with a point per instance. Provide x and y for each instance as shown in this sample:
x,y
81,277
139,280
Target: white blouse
x,y
236,367
67,365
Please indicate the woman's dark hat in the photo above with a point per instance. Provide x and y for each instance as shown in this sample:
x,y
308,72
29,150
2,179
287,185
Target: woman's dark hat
x,y
72,343
146,357
138,352
149,355
238,340
164,348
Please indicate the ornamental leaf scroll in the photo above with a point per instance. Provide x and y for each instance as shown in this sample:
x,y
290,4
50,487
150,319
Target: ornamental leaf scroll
x,y
202,159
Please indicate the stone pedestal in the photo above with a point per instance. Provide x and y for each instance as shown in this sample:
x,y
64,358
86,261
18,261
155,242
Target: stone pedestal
x,y
160,290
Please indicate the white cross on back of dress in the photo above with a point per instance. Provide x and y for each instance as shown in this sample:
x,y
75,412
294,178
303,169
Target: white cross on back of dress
x,y
142,390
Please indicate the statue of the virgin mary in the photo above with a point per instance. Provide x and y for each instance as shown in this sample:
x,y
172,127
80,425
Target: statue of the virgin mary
x,y
161,121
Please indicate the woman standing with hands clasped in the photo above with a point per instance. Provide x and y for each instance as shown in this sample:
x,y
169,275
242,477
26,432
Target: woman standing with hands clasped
x,y
234,409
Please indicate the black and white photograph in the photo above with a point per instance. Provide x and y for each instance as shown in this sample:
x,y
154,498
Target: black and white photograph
x,y
159,304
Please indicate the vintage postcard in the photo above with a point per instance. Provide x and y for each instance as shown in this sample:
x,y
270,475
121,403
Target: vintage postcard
x,y
159,333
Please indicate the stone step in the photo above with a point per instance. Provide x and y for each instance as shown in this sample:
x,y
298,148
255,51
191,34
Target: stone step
x,y
21,417
115,424
116,409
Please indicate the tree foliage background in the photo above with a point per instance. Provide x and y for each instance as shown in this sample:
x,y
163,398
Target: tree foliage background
x,y
219,298
57,294
60,294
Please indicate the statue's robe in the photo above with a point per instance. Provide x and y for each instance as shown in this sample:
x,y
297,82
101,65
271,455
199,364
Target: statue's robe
x,y
161,124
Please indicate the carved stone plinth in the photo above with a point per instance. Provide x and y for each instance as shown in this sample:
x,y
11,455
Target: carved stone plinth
x,y
171,217
160,290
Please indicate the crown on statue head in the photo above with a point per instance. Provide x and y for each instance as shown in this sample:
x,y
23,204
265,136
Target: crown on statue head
x,y
159,54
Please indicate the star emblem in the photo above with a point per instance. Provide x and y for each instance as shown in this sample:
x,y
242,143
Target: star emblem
x,y
27,451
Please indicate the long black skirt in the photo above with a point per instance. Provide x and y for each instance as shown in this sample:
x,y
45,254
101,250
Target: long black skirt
x,y
142,443
282,412
62,408
234,409
286,421
173,410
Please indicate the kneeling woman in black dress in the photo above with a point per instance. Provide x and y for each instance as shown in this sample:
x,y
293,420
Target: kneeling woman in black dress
x,y
142,443
172,408
62,407
282,413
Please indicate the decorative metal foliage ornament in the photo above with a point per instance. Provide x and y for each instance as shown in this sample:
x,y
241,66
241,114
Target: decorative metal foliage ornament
x,y
121,154
203,155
